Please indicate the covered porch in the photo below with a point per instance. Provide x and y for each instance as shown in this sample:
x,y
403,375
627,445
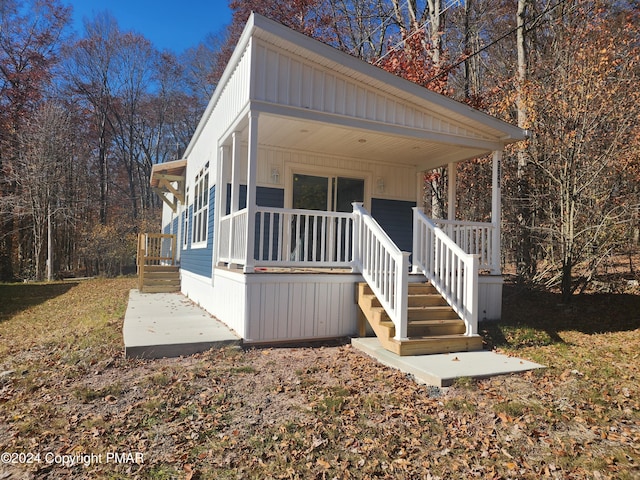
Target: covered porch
x,y
449,255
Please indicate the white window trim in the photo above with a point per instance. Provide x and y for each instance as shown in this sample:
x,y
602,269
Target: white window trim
x,y
200,219
186,233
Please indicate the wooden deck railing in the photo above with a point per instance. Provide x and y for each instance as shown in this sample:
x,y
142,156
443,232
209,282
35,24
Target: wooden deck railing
x,y
453,272
154,249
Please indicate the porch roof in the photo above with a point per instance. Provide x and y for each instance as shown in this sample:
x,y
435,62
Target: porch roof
x,y
470,133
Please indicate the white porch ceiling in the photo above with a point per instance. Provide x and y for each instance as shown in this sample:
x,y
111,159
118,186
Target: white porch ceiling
x,y
331,139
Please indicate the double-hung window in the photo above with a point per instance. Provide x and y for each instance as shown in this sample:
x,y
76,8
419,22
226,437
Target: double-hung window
x,y
200,207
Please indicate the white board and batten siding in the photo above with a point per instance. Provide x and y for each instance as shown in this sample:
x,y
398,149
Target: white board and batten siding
x,y
224,108
399,180
490,297
226,301
287,79
281,307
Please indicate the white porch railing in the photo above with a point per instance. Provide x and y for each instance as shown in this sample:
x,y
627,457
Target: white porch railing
x,y
383,266
474,238
232,246
450,270
289,238
299,238
313,238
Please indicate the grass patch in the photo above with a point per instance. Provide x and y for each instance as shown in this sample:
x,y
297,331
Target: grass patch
x,y
88,394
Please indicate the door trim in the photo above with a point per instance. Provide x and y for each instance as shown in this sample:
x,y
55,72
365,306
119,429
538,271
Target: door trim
x,y
306,169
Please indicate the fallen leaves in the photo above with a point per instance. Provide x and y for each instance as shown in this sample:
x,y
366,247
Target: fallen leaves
x,y
321,412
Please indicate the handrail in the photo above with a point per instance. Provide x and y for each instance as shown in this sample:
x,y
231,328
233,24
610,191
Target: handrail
x,y
475,238
453,272
384,267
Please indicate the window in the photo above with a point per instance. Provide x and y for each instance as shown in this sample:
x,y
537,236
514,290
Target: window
x,y
185,221
200,206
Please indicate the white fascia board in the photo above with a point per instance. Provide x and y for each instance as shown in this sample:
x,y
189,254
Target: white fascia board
x,y
508,133
242,45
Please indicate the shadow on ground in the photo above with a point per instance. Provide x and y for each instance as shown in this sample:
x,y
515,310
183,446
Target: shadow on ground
x,y
16,297
533,318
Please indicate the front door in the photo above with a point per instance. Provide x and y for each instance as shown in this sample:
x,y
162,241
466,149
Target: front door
x,y
328,239
331,194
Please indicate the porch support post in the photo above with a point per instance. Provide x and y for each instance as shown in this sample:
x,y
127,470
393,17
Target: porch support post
x,y
235,187
451,191
496,212
221,199
252,167
235,171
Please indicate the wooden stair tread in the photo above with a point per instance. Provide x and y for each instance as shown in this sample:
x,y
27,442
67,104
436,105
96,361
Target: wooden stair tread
x,y
433,326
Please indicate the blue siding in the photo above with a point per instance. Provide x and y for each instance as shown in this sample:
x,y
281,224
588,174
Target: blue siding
x,y
265,197
174,228
200,260
396,218
270,197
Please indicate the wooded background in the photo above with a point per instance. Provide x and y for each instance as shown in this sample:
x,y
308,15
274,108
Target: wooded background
x,y
83,117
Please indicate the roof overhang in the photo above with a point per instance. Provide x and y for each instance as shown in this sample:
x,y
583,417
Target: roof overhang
x,y
168,181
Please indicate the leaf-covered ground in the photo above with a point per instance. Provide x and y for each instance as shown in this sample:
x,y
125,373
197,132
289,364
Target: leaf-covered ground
x,y
325,412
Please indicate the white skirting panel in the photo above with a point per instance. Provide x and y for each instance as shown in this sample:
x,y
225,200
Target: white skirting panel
x,y
490,297
279,307
283,307
226,301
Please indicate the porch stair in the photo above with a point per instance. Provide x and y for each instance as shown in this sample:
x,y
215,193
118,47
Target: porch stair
x,y
159,279
433,326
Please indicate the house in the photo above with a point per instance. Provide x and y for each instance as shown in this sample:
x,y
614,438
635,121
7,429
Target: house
x,y
294,211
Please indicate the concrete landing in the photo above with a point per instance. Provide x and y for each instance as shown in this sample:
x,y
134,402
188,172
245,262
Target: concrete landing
x,y
443,369
160,325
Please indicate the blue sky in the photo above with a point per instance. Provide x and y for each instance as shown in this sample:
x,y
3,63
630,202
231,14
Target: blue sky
x,y
169,24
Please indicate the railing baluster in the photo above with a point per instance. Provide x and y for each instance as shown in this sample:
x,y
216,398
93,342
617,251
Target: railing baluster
x,y
260,233
453,272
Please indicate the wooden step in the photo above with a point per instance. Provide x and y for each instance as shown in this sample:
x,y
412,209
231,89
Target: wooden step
x,y
161,279
439,344
414,289
419,300
160,289
433,326
161,275
418,313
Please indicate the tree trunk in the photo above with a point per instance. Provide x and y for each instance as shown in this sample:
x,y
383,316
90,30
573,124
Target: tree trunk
x,y
525,267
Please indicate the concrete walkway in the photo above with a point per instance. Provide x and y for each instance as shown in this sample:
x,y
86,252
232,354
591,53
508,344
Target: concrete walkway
x,y
443,369
160,325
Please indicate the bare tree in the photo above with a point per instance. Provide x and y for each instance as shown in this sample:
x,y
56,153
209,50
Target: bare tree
x,y
584,107
44,152
90,71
